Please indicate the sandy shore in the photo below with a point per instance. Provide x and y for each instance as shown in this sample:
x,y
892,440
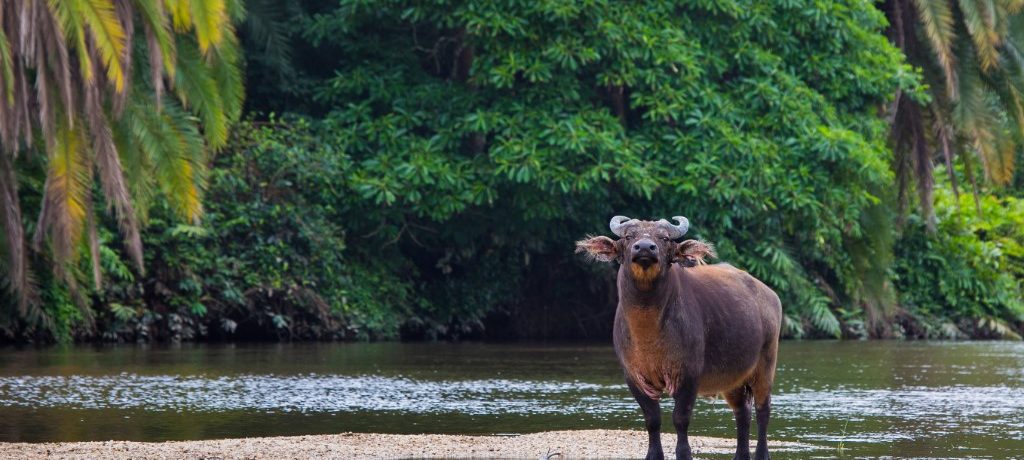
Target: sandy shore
x,y
552,444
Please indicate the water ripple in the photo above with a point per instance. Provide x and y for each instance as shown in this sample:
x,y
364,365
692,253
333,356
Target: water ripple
x,y
978,409
915,410
307,393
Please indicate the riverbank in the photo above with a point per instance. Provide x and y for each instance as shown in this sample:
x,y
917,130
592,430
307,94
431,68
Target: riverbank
x,y
551,444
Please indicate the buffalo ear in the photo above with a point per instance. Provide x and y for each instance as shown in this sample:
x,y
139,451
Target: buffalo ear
x,y
600,248
691,253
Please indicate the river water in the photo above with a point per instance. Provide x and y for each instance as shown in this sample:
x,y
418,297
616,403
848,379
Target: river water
x,y
849,399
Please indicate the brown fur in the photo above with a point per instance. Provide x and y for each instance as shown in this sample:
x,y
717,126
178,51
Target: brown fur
x,y
644,277
599,248
692,328
646,359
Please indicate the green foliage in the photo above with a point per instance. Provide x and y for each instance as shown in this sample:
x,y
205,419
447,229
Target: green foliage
x,y
485,136
84,95
965,279
270,259
62,313
437,160
970,56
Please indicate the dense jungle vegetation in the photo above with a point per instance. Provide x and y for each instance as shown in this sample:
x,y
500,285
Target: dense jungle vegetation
x,y
421,170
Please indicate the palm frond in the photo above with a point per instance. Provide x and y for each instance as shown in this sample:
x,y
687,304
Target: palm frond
x,y
1009,82
181,13
912,160
114,185
266,24
1000,165
6,66
197,89
71,23
174,148
18,279
209,18
45,106
78,55
979,17
126,16
237,10
53,50
937,18
184,172
975,118
67,194
22,103
157,28
226,70
134,161
108,37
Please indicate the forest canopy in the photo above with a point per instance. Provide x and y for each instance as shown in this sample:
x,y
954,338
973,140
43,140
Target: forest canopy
x,y
421,170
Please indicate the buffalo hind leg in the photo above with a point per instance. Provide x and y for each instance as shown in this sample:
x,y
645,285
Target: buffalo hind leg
x,y
651,409
764,412
739,400
685,397
762,388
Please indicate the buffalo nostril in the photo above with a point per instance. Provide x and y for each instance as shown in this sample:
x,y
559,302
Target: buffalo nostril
x,y
653,247
636,247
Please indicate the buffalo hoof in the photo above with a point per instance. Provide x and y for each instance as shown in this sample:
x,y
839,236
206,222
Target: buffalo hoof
x,y
655,455
761,454
741,456
683,453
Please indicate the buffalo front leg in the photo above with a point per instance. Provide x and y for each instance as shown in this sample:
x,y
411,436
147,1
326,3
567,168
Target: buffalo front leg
x,y
685,397
739,400
651,409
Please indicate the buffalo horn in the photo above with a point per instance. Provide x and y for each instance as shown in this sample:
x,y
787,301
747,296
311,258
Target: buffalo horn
x,y
618,224
676,232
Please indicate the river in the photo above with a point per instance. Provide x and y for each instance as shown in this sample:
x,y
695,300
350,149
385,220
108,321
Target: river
x,y
855,399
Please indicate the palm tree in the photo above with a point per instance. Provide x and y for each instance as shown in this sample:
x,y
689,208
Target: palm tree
x,y
971,56
75,95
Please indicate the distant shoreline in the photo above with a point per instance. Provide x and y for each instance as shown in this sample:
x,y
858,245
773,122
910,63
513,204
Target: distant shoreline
x,y
550,444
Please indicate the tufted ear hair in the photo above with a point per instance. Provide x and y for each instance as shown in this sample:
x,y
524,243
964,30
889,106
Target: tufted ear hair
x,y
691,253
599,248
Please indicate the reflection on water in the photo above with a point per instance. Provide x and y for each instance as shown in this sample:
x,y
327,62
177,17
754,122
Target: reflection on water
x,y
878,398
308,393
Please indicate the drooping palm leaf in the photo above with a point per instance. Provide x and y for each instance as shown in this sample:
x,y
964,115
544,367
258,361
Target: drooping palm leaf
x,y
115,187
67,194
266,24
74,28
197,89
67,76
969,51
228,76
17,255
979,17
107,36
209,18
6,67
174,148
936,17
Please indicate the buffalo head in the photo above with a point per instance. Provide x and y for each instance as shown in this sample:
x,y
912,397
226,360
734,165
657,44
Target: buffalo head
x,y
646,248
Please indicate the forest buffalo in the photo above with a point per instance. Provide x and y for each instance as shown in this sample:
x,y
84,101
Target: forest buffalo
x,y
685,328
